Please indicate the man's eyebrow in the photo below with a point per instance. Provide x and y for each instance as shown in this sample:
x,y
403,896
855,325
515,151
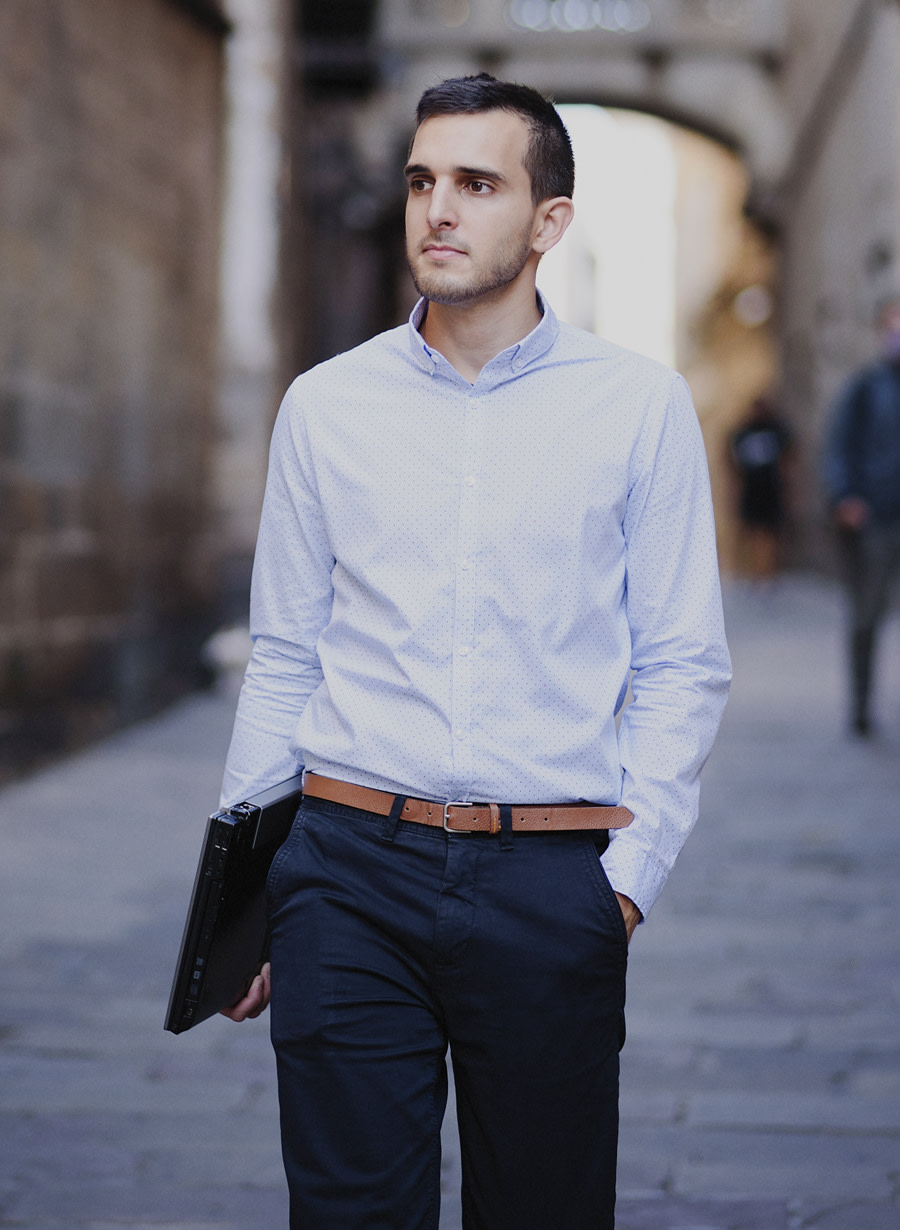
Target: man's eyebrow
x,y
417,168
480,173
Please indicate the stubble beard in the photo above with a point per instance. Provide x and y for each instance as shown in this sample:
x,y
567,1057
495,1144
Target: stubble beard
x,y
440,287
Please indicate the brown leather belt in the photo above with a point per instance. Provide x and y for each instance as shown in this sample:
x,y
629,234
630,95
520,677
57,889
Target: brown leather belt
x,y
469,817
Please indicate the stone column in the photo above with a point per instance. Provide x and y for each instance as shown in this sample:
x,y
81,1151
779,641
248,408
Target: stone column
x,y
256,83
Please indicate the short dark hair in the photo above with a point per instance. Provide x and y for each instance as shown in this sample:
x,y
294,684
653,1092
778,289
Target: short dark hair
x,y
548,159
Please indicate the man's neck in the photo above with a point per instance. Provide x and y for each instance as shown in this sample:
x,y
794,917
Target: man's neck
x,y
470,335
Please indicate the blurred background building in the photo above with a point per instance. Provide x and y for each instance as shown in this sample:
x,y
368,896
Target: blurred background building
x,y
201,198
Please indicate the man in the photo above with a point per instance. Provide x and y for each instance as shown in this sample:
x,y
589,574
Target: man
x,y
862,483
475,528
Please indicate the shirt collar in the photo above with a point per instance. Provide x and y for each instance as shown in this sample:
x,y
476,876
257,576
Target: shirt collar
x,y
509,362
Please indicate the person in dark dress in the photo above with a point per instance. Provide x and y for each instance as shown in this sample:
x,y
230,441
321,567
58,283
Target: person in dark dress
x,y
759,451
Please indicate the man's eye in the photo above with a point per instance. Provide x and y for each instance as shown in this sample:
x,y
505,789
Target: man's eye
x,y
479,187
418,185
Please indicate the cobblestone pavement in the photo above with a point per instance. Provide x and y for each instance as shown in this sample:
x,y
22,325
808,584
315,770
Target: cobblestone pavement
x,y
761,1079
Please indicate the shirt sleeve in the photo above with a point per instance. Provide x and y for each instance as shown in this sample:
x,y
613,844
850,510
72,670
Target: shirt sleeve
x,y
290,604
680,662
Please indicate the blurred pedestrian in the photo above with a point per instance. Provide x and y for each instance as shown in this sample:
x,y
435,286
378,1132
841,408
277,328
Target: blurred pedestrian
x,y
862,484
759,450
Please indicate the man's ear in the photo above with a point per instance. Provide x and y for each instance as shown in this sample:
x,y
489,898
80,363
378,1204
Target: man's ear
x,y
551,222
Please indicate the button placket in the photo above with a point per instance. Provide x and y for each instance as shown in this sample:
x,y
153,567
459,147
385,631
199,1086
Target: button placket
x,y
464,648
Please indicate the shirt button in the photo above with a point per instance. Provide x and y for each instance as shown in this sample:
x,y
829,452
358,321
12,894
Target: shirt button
x,y
464,649
470,480
460,735
465,564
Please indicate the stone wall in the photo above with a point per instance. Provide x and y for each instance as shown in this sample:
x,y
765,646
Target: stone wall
x,y
110,128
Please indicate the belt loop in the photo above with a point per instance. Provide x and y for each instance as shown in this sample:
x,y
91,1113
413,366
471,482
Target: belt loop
x,y
506,826
389,827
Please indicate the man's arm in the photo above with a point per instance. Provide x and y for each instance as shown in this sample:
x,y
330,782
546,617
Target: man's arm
x,y
679,655
290,604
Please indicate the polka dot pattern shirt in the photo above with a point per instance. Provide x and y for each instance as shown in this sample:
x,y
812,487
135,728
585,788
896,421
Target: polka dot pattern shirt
x,y
454,583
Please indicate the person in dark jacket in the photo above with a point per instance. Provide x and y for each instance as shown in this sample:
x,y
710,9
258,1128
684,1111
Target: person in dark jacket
x,y
862,484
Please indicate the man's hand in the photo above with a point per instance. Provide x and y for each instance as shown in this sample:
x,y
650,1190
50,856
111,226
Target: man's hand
x,y
630,913
256,999
851,513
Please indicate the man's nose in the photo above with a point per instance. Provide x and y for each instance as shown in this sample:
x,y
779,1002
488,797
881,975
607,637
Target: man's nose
x,y
442,213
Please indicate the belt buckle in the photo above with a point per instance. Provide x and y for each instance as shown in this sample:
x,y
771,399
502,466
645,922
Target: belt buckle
x,y
447,828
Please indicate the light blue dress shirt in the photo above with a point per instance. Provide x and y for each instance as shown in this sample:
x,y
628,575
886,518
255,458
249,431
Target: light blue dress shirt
x,y
454,582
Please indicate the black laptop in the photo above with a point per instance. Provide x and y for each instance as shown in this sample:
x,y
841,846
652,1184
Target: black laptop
x,y
225,936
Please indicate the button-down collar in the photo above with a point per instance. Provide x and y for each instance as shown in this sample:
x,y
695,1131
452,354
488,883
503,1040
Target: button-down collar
x,y
506,365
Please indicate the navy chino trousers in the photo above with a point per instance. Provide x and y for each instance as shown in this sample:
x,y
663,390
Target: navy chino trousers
x,y
391,942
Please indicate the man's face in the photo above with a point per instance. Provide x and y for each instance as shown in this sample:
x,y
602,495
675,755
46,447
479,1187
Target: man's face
x,y
469,215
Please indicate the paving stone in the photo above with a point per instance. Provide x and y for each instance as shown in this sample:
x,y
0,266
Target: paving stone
x,y
680,1143
875,1081
738,1029
857,1216
675,1213
244,1207
724,1180
651,1107
798,1112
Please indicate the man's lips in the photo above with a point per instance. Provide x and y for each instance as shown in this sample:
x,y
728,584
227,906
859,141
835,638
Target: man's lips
x,y
441,252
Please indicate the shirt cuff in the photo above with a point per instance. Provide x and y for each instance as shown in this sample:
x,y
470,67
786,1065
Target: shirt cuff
x,y
633,872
